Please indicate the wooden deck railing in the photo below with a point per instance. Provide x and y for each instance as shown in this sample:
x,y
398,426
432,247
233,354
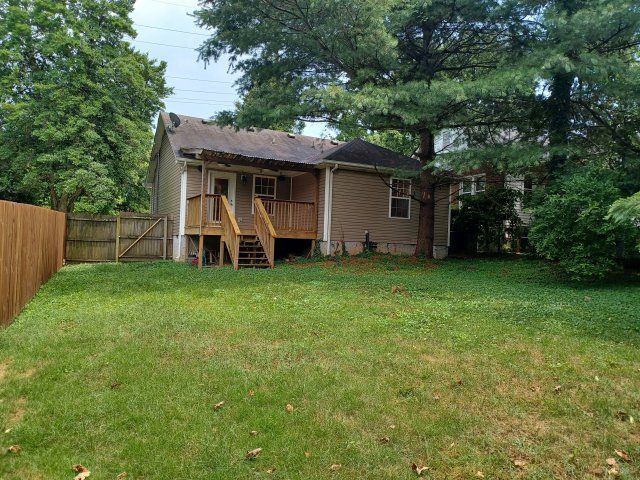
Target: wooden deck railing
x,y
291,216
230,231
264,229
212,211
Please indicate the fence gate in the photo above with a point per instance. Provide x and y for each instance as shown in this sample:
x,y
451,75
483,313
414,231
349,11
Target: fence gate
x,y
126,237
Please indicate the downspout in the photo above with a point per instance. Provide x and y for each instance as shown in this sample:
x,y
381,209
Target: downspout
x,y
330,206
183,207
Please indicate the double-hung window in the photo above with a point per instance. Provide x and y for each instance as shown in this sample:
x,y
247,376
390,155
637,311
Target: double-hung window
x,y
400,198
264,187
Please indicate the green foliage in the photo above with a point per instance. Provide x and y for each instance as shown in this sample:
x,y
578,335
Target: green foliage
x,y
571,226
488,219
627,211
118,366
76,105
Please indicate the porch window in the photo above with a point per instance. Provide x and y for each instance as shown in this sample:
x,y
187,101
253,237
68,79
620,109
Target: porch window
x,y
264,187
400,198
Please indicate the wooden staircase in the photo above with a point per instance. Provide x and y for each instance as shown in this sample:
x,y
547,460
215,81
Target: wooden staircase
x,y
251,254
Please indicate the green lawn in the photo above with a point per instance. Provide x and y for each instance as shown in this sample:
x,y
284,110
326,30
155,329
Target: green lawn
x,y
462,366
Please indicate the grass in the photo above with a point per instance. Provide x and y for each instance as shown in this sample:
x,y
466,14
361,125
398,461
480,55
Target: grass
x,y
461,366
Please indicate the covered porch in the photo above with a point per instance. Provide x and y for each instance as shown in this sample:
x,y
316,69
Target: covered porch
x,y
249,207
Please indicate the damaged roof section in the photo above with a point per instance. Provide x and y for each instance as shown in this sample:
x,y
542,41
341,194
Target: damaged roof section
x,y
199,138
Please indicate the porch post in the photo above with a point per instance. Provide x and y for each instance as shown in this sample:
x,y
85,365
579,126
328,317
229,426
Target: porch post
x,y
221,257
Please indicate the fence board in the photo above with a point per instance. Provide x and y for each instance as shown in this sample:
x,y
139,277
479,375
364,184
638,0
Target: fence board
x,y
98,238
31,251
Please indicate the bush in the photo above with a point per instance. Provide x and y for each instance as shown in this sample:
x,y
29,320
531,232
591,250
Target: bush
x,y
570,224
486,220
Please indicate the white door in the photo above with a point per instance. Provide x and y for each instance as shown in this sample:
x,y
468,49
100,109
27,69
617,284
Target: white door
x,y
224,183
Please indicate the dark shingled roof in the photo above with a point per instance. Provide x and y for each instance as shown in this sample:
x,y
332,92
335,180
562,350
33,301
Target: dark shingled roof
x,y
196,133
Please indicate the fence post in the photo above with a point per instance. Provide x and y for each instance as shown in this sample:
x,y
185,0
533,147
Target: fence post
x,y
164,240
118,238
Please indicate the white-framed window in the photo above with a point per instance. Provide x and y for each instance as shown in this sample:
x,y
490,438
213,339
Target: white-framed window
x,y
400,198
264,187
473,185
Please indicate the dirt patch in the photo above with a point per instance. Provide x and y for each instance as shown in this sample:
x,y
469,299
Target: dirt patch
x,y
18,412
4,366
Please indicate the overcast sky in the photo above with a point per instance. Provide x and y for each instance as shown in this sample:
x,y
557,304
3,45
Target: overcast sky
x,y
197,91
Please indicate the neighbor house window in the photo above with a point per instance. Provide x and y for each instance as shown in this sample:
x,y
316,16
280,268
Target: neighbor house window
x,y
264,187
400,198
473,185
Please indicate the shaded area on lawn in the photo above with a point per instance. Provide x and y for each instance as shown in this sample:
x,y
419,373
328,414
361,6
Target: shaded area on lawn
x,y
453,364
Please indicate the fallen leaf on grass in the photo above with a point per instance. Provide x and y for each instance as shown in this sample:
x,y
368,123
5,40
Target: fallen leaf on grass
x,y
614,472
218,406
383,440
557,388
612,462
623,455
419,469
335,467
271,470
479,474
14,449
82,472
122,476
520,463
251,454
253,433
251,393
289,408
307,454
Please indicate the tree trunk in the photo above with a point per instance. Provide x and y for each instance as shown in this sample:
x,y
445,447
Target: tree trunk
x,y
427,185
559,120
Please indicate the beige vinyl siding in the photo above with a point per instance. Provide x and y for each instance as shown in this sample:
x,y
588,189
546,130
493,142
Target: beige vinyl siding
x,y
304,188
361,202
168,184
441,227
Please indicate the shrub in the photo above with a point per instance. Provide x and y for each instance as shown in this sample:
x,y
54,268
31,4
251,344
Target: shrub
x,y
487,219
570,224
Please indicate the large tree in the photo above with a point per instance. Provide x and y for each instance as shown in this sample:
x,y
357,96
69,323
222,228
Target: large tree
x,y
76,105
412,66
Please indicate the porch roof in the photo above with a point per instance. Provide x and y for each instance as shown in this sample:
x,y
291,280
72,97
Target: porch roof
x,y
199,138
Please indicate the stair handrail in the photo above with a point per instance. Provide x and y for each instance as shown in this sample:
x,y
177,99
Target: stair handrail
x,y
264,229
230,231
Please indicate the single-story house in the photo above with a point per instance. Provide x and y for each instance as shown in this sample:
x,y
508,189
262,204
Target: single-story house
x,y
268,194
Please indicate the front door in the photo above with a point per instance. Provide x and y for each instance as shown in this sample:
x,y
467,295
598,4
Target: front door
x,y
224,183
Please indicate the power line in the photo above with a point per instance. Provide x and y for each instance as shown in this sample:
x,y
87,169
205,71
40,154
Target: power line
x,y
197,79
203,91
200,103
171,30
174,4
204,100
164,44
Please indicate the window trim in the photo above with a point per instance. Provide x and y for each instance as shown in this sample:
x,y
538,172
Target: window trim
x,y
473,179
392,196
253,190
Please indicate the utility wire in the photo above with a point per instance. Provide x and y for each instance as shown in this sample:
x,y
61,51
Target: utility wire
x,y
171,30
164,44
204,100
174,4
197,79
202,91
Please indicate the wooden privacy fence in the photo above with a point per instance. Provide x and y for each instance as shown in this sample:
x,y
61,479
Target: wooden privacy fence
x,y
126,237
31,251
